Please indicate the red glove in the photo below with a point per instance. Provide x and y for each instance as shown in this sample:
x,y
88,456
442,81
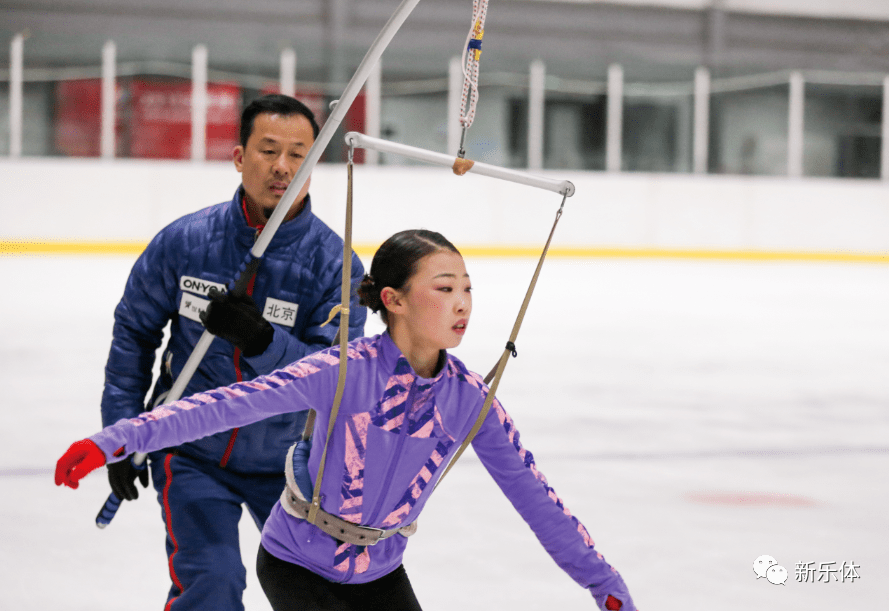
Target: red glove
x,y
612,604
81,458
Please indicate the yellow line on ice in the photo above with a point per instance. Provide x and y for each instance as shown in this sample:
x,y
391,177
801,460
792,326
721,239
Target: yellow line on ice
x,y
66,247
666,253
59,247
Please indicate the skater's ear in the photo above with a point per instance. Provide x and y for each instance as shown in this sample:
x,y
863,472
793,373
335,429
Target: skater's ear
x,y
393,300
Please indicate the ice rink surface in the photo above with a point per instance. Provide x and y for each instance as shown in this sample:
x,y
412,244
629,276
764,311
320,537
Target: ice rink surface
x,y
694,415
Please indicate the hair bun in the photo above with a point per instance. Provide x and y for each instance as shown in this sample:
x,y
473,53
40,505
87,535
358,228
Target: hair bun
x,y
369,294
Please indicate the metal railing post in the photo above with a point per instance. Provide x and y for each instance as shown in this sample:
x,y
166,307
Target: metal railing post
x,y
373,109
109,99
701,130
615,119
16,91
795,125
199,103
536,114
884,151
287,80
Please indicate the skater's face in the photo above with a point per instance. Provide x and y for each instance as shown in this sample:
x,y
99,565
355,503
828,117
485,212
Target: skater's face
x,y
434,306
275,150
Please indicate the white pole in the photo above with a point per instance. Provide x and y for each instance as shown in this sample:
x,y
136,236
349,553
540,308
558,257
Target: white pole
x,y
16,87
302,175
299,179
884,153
199,103
795,126
287,84
536,113
614,118
359,140
455,90
701,128
109,99
373,109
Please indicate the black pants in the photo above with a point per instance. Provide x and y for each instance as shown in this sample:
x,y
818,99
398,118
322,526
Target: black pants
x,y
290,587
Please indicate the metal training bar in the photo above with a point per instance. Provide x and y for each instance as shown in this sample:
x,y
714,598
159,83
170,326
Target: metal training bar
x,y
359,140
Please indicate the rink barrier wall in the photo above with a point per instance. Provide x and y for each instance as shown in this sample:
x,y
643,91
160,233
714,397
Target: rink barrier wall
x,y
90,206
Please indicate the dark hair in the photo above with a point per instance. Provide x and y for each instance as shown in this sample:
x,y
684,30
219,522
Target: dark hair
x,y
277,104
396,261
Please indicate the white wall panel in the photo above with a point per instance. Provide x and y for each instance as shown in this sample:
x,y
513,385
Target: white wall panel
x,y
80,200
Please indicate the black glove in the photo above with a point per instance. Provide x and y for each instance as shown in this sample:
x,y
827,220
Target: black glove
x,y
122,477
237,319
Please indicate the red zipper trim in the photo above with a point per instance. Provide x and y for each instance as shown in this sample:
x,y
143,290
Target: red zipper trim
x,y
169,473
231,440
239,376
228,448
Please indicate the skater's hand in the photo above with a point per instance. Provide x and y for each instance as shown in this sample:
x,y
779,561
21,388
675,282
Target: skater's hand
x,y
81,458
614,596
236,319
122,477
610,603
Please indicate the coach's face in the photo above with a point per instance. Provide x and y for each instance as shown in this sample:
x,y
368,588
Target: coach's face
x,y
275,150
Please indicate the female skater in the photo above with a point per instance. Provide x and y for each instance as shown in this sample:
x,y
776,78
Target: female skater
x,y
407,406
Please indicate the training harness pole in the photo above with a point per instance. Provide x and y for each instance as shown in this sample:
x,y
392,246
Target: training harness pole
x,y
253,258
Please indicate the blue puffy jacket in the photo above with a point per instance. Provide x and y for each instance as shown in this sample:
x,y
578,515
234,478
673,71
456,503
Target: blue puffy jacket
x,y
296,285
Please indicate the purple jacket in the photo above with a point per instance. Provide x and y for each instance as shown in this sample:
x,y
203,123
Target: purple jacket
x,y
381,466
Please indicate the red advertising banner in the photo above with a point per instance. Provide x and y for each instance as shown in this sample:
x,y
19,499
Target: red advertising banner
x,y
78,117
154,119
160,120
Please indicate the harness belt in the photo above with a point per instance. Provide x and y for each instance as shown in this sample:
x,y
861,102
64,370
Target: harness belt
x,y
295,504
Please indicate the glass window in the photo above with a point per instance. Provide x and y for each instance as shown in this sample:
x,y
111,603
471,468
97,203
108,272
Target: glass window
x,y
657,134
573,133
748,131
842,133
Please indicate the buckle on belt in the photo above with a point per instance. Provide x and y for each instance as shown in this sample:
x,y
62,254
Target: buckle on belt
x,y
375,534
378,530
